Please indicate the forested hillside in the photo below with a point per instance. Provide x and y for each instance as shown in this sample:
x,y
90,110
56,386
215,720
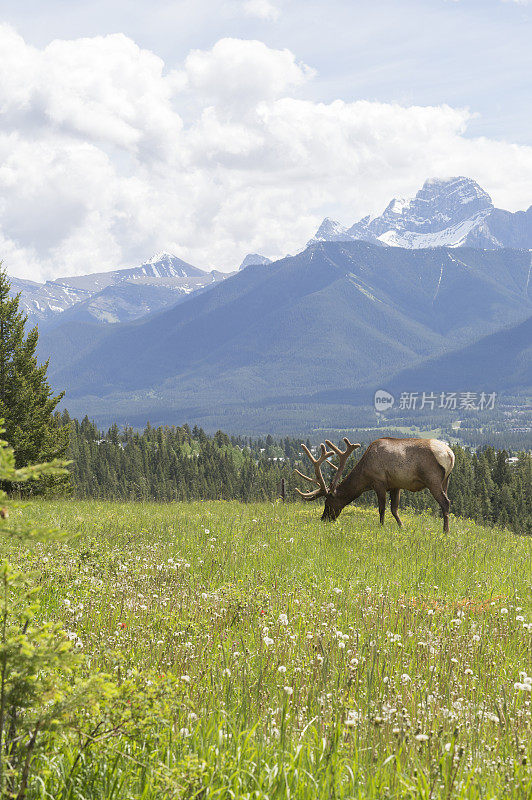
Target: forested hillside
x,y
179,463
248,354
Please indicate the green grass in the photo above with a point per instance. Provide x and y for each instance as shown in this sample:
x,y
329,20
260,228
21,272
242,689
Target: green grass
x,y
264,654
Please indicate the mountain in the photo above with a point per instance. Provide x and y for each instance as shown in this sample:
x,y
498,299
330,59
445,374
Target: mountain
x,y
304,337
331,231
455,212
41,301
160,266
124,302
116,296
253,259
501,362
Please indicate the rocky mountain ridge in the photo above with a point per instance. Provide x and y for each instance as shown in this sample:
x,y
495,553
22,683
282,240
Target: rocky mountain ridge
x,y
452,212
310,336
116,296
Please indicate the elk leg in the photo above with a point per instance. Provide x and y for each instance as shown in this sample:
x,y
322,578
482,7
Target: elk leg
x,y
381,497
440,495
395,494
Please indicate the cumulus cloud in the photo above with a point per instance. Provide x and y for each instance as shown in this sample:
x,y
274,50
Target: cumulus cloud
x,y
107,157
262,9
242,73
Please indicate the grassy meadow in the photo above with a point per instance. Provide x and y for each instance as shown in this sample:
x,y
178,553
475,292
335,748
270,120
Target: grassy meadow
x,y
259,653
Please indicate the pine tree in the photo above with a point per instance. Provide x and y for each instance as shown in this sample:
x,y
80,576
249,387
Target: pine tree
x,y
27,403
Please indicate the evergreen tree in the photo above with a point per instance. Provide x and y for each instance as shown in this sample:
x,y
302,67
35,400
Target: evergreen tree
x,y
168,463
27,403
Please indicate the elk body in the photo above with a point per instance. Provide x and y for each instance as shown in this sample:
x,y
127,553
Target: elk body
x,y
388,465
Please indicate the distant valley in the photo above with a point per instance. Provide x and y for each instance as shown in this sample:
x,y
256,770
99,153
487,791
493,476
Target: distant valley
x,y
302,340
317,330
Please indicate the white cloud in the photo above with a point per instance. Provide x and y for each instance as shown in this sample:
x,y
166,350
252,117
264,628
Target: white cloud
x,y
106,157
242,73
262,9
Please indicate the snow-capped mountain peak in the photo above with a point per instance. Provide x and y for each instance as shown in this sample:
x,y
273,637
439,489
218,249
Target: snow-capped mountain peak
x,y
330,231
115,296
448,212
441,202
163,265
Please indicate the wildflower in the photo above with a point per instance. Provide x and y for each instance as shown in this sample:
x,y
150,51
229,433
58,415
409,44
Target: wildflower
x,y
523,687
504,610
337,590
289,691
405,678
468,671
281,669
352,719
185,678
283,619
422,737
267,641
226,673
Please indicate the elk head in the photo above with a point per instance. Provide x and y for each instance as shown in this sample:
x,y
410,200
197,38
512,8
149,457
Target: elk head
x,y
333,504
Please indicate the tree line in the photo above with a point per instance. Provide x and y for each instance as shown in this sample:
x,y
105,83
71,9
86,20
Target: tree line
x,y
180,463
183,463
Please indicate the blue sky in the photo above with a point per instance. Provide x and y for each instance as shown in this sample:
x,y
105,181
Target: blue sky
x,y
474,53
240,123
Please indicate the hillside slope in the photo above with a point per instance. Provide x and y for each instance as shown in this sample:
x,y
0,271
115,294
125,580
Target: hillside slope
x,y
338,316
500,362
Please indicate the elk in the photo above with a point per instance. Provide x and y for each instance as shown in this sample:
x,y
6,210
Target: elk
x,y
388,465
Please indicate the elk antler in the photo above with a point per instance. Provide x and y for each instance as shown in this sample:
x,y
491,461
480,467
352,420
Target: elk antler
x,y
319,481
343,455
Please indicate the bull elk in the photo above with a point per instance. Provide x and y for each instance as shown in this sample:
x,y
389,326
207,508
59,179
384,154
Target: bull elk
x,y
388,465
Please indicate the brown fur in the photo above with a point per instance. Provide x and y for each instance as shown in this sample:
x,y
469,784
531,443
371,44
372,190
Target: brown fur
x,y
389,465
